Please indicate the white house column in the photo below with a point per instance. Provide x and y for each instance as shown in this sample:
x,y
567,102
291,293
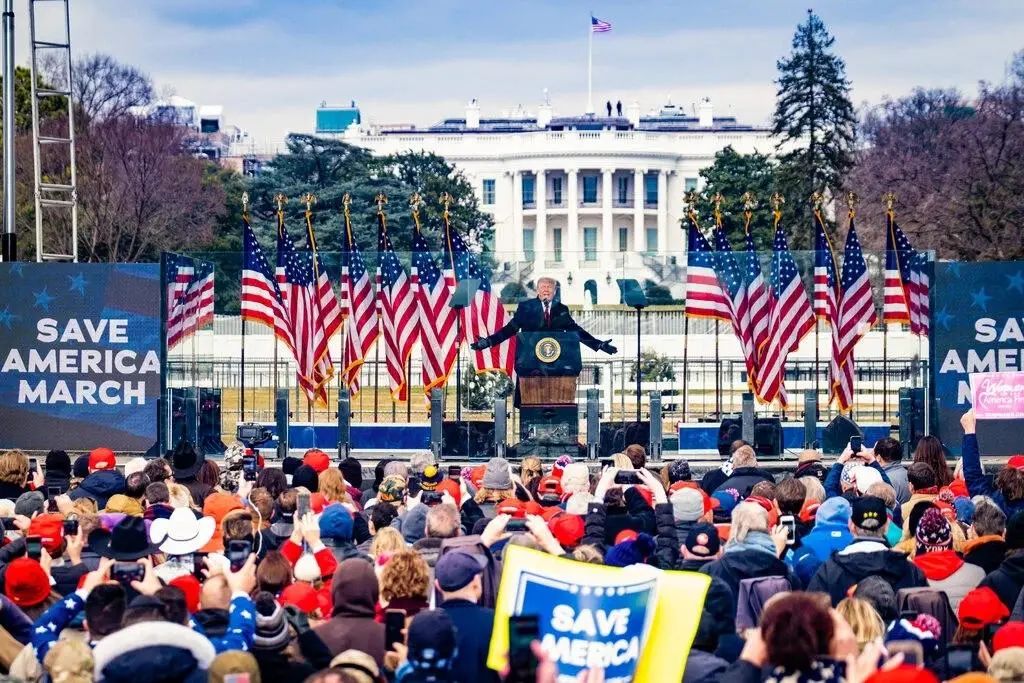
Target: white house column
x,y
607,228
540,233
517,217
663,212
638,209
570,250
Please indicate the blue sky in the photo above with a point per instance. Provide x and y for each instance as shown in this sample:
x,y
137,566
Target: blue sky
x,y
271,62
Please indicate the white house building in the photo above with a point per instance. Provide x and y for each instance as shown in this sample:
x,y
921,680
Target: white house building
x,y
586,199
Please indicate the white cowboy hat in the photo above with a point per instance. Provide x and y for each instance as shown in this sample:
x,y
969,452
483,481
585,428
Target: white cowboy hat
x,y
182,533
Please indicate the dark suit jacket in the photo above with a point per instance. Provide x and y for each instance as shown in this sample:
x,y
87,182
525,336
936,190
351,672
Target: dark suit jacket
x,y
529,317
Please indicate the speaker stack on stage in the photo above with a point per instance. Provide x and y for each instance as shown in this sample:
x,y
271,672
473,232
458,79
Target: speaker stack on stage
x,y
767,435
836,435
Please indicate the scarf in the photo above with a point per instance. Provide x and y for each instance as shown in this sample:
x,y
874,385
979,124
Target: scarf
x,y
755,540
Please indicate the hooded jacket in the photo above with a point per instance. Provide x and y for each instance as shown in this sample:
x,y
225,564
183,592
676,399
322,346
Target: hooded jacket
x,y
831,532
946,571
1008,579
355,594
100,486
980,485
987,552
862,558
743,479
736,565
56,479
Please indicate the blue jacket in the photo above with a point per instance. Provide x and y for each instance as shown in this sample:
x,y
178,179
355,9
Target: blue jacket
x,y
980,485
831,532
241,626
99,486
47,628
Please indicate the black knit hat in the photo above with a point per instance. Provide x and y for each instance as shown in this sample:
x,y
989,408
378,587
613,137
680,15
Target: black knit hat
x,y
352,469
58,461
306,476
80,469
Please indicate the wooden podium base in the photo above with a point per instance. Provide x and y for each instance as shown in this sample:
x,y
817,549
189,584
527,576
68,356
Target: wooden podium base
x,y
546,391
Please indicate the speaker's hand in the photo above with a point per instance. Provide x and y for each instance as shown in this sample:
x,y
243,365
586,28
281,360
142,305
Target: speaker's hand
x,y
480,344
608,348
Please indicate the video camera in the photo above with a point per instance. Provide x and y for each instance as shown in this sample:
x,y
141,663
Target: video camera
x,y
252,435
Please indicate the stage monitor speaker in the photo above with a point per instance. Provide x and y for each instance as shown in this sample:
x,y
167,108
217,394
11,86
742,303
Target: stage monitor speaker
x,y
768,436
655,442
192,415
837,434
467,439
177,417
209,422
436,422
344,424
282,418
911,414
730,430
637,433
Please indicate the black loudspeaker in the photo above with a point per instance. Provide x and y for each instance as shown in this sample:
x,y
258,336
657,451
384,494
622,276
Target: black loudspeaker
x,y
768,436
209,422
837,434
730,430
179,426
911,418
467,439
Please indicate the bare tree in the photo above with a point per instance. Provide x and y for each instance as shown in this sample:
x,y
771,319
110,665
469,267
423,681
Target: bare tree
x,y
103,87
141,193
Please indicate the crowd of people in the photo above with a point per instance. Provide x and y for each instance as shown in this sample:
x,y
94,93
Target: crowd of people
x,y
872,568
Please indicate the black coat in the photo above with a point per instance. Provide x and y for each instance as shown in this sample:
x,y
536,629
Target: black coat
x,y
749,564
11,492
1007,580
529,317
840,572
278,665
473,626
988,555
743,479
602,525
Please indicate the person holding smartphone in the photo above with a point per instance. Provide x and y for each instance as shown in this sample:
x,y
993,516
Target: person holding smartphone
x,y
15,475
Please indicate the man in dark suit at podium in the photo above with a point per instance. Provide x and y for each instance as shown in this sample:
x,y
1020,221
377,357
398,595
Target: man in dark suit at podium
x,y
540,314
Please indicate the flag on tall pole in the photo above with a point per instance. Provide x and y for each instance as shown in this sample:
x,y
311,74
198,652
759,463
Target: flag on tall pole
x,y
438,326
705,297
827,293
856,313
261,300
792,316
357,305
485,314
396,303
759,300
906,278
190,290
298,274
730,277
596,26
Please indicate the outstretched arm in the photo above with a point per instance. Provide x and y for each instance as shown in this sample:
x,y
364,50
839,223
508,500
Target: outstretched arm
x,y
505,333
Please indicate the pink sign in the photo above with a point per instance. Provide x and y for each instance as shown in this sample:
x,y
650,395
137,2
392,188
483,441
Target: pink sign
x,y
998,395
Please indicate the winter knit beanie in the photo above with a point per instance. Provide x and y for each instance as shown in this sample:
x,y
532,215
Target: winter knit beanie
x,y
306,476
58,461
631,552
498,474
271,626
933,532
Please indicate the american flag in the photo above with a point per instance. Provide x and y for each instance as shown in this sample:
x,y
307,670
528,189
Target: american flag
x,y
297,275
759,300
598,26
396,305
826,290
358,309
190,297
856,316
485,315
438,326
906,282
731,279
704,295
261,296
792,317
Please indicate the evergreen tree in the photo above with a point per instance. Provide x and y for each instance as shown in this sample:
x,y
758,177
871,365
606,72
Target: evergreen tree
x,y
814,122
732,174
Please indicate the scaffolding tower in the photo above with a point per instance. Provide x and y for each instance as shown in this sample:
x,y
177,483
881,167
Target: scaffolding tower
x,y
53,150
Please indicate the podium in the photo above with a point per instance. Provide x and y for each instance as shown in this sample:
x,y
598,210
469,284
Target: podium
x,y
548,364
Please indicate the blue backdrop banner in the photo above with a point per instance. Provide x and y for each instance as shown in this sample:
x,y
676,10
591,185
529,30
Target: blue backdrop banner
x,y
977,326
80,353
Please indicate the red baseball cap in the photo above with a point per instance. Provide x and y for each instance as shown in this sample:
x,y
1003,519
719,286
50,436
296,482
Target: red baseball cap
x,y
1010,634
452,488
904,673
317,503
1016,462
317,459
510,506
25,582
302,595
102,459
980,608
567,529
50,529
549,485
625,535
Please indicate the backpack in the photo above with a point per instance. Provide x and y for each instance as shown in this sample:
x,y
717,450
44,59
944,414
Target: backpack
x,y
752,596
473,546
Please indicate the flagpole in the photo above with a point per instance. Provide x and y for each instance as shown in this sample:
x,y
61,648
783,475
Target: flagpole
x,y
590,64
689,198
245,221
816,200
280,199
890,213
346,202
446,200
381,200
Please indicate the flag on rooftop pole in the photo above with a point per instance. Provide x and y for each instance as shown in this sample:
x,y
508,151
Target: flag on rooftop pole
x,y
438,326
856,314
485,314
261,300
598,26
358,305
792,316
396,303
